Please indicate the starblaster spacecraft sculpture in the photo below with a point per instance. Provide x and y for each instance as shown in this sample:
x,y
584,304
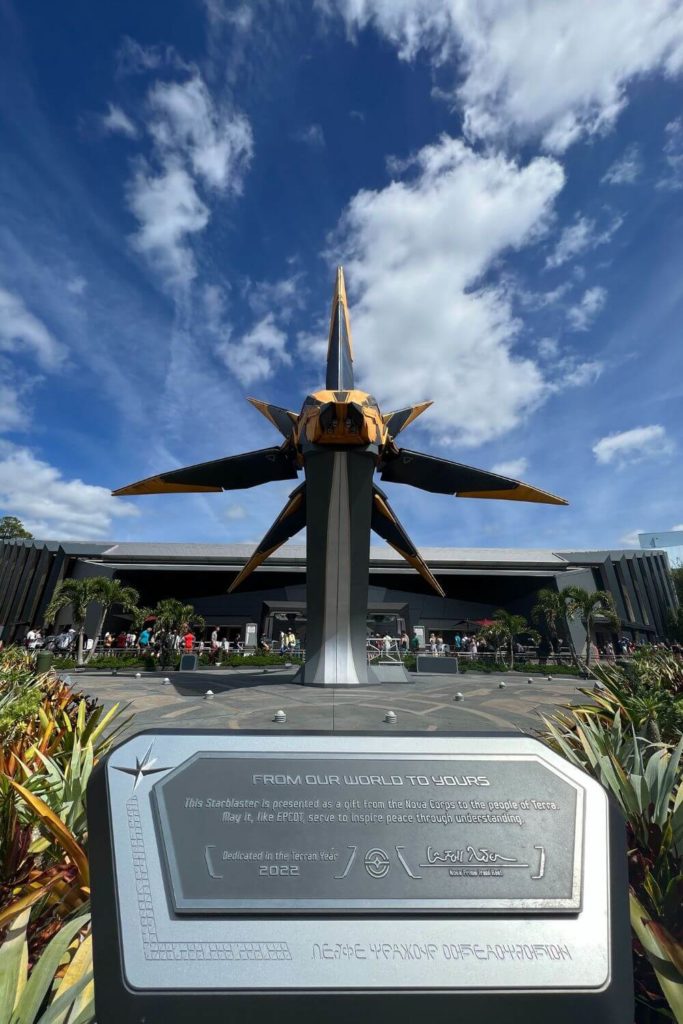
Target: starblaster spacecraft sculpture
x,y
339,439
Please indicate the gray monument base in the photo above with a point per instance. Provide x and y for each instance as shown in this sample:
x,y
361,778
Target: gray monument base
x,y
437,666
393,672
299,878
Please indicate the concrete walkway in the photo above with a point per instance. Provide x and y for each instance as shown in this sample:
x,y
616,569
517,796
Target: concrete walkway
x,y
248,699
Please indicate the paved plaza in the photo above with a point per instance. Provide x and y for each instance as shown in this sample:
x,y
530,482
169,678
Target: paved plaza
x,y
248,699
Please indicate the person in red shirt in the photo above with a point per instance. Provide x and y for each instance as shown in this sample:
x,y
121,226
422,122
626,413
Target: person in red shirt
x,y
188,640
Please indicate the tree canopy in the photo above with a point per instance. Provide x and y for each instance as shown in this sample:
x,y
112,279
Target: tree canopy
x,y
11,527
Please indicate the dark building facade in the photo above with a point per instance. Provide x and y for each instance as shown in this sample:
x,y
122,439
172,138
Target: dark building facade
x,y
477,581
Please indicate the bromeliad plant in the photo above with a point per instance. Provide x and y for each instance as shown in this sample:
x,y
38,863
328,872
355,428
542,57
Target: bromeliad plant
x,y
50,738
629,736
53,993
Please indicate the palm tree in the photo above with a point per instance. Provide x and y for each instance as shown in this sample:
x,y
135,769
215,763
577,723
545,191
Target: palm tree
x,y
139,616
497,635
591,605
78,594
107,592
511,626
552,610
172,615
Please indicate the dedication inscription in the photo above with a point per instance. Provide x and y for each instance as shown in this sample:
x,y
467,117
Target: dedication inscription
x,y
250,832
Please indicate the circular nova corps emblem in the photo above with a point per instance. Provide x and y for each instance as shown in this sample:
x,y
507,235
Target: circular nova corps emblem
x,y
376,863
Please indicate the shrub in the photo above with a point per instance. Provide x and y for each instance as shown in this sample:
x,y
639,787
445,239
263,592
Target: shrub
x,y
46,758
628,735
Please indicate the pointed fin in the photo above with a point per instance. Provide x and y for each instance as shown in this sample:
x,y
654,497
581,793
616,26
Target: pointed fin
x,y
233,473
397,421
290,521
282,419
339,375
443,477
386,525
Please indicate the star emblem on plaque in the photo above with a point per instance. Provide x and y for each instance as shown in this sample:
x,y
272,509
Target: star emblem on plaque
x,y
146,765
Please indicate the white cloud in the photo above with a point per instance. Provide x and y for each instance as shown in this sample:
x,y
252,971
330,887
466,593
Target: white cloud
x,y
256,355
673,156
312,135
51,506
634,445
630,539
541,300
168,209
572,373
626,170
134,59
516,468
240,17
76,285
579,237
12,413
117,121
186,121
581,315
197,143
283,297
20,329
423,326
234,511
548,348
555,70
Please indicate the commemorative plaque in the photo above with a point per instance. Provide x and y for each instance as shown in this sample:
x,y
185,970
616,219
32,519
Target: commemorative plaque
x,y
295,875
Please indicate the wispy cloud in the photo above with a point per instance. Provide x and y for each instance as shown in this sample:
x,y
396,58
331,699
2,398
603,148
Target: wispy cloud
x,y
132,58
117,122
312,135
582,315
21,330
198,145
168,208
626,170
672,180
516,468
235,512
255,355
629,446
579,237
76,285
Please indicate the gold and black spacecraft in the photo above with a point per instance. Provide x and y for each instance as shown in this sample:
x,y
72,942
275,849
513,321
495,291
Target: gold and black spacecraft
x,y
340,439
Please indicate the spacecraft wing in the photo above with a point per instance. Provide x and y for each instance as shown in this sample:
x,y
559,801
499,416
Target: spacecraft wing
x,y
282,419
288,523
386,525
397,421
443,477
232,473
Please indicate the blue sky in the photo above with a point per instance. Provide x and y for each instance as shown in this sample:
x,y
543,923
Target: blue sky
x,y
502,182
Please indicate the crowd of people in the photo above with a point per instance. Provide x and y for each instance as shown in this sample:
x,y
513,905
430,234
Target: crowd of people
x,y
150,641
